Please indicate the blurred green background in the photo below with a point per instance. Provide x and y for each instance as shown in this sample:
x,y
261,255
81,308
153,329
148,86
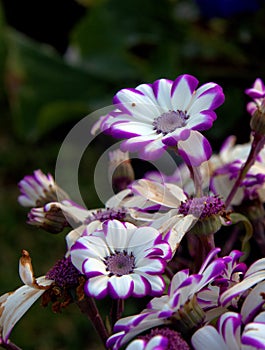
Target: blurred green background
x,y
60,61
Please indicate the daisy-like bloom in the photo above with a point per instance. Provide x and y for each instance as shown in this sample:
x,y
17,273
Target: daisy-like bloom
x,y
257,93
159,339
183,307
14,305
121,260
228,335
232,157
166,113
39,189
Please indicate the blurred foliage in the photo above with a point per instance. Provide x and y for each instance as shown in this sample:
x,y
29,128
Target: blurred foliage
x,y
44,93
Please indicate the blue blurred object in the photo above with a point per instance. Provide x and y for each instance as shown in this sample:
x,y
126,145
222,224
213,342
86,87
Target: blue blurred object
x,y
226,8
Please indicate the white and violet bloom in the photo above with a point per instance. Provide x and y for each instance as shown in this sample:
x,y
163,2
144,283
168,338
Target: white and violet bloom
x,y
177,306
153,117
121,260
257,93
230,334
39,189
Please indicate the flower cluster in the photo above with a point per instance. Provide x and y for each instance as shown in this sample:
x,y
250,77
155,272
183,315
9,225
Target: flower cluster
x,y
190,243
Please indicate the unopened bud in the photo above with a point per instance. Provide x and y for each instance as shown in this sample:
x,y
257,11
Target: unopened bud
x,y
120,170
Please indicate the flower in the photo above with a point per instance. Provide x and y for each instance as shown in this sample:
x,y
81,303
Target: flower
x,y
166,113
14,305
257,93
253,275
39,189
228,334
121,260
173,308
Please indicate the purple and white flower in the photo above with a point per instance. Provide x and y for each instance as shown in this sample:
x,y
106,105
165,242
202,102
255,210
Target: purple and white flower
x,y
184,289
153,117
121,260
257,93
228,334
254,275
39,189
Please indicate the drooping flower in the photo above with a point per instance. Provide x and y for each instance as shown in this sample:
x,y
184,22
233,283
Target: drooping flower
x,y
14,305
176,307
166,113
121,260
54,287
39,189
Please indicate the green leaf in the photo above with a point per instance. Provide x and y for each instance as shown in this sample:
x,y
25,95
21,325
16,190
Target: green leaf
x,y
44,90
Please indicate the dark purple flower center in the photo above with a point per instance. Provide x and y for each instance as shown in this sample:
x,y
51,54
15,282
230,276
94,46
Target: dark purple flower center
x,y
120,263
107,214
175,340
170,121
64,273
203,207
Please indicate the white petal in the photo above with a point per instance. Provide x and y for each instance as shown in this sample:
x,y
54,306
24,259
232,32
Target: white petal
x,y
163,88
182,95
142,239
136,128
149,266
141,287
207,338
14,305
137,344
94,265
117,234
97,286
254,299
120,286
